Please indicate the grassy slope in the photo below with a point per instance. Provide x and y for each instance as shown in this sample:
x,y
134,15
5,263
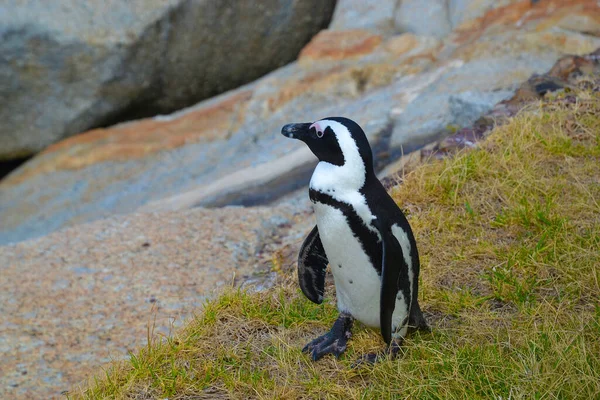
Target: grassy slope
x,y
509,236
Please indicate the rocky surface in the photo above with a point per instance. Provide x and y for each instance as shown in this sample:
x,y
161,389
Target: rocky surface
x,y
76,299
405,89
68,66
424,17
567,73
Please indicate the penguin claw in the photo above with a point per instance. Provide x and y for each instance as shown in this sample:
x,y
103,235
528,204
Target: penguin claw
x,y
367,359
333,342
371,358
327,344
314,343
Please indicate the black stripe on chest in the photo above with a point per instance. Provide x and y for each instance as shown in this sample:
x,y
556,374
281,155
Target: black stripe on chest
x,y
368,239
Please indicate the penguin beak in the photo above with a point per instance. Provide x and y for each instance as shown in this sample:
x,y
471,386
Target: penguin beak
x,y
297,131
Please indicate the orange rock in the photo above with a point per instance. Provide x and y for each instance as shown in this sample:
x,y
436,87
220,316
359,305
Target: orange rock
x,y
338,45
295,88
401,44
350,80
357,77
137,139
522,12
567,66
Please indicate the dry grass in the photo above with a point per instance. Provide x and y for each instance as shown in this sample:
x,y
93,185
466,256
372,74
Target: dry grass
x,y
509,236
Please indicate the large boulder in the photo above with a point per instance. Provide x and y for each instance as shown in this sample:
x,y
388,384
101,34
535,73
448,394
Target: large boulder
x,y
69,66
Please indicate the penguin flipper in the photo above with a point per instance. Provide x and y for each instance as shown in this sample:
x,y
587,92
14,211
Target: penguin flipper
x,y
312,264
390,272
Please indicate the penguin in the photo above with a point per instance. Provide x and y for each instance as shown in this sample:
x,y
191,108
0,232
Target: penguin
x,y
363,236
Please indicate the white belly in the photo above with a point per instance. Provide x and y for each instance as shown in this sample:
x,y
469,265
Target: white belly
x,y
357,284
358,287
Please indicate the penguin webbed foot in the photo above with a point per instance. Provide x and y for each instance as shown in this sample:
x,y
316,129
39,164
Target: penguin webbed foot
x,y
390,351
333,342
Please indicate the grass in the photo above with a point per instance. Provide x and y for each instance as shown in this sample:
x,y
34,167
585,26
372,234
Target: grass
x,y
509,236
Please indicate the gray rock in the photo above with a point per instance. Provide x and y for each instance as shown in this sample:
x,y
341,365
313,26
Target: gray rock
x,y
460,11
423,17
463,91
360,14
464,108
68,66
439,17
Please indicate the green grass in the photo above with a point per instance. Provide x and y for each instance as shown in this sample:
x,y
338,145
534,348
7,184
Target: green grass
x,y
509,236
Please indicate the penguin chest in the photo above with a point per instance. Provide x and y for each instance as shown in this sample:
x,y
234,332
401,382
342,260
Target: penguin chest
x,y
356,280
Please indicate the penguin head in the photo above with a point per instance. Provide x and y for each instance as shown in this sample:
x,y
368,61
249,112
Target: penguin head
x,y
335,140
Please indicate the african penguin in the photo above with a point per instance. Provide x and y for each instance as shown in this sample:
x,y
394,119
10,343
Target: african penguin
x,y
364,237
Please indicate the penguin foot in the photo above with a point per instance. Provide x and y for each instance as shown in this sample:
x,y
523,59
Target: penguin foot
x,y
371,358
333,342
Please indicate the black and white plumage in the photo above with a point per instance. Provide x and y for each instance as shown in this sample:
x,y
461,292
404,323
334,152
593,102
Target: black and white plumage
x,y
362,234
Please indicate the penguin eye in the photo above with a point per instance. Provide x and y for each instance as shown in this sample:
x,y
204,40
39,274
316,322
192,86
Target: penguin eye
x,y
317,129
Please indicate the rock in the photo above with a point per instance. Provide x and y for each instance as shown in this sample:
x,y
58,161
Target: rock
x,y
528,16
569,72
248,186
67,67
390,17
211,149
83,296
496,52
460,11
377,17
466,107
427,18
405,90
458,95
339,45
